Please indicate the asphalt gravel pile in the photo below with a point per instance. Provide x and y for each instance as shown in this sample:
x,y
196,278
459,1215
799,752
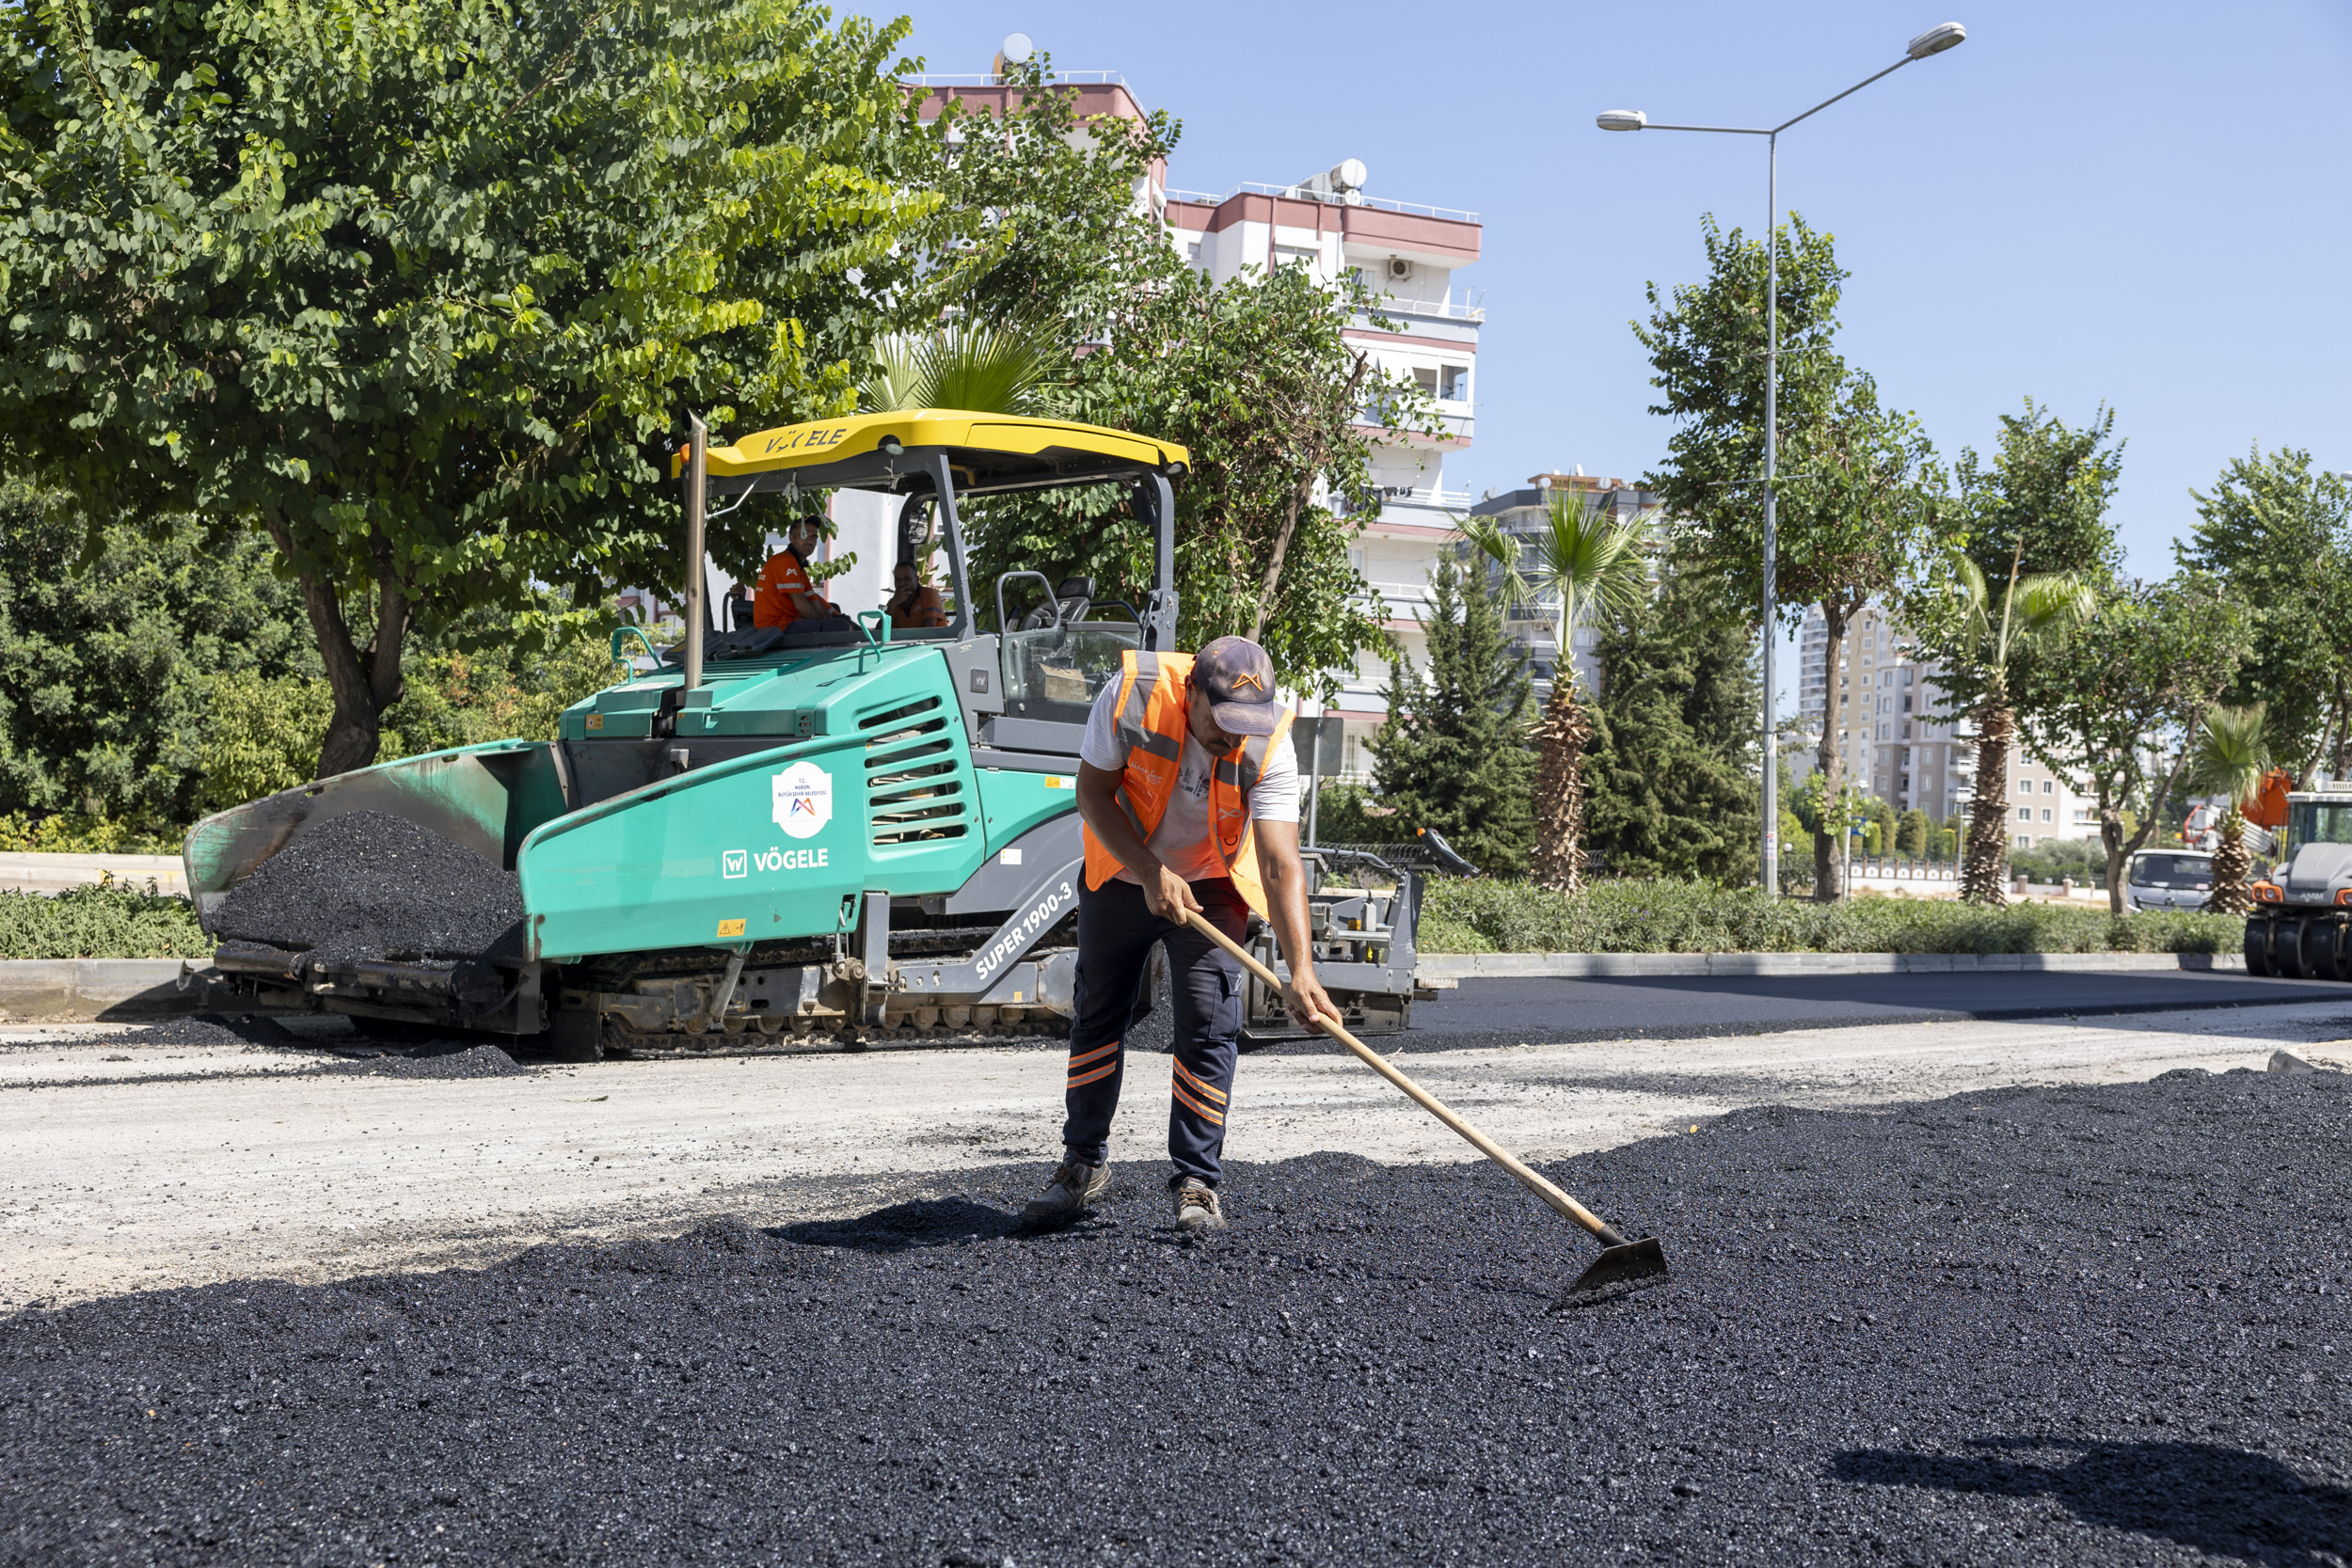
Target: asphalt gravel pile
x,y
2073,1326
368,884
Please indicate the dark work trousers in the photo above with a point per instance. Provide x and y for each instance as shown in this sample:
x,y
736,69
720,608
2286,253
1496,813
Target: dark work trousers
x,y
1116,930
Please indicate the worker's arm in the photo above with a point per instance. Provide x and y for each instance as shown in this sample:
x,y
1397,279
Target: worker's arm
x,y
1286,904
813,607
1167,894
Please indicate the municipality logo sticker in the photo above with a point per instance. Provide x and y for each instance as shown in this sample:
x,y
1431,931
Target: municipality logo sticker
x,y
803,800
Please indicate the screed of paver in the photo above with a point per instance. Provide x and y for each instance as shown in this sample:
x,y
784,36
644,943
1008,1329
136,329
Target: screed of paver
x,y
208,1163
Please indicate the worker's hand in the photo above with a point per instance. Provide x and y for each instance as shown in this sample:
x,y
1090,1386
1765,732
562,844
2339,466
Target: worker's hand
x,y
1308,1001
1168,894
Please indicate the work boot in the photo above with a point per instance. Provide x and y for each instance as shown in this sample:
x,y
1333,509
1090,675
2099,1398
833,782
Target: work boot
x,y
1197,1208
1074,1186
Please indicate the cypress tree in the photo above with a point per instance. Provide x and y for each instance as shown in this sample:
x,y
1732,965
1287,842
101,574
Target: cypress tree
x,y
1670,777
1453,753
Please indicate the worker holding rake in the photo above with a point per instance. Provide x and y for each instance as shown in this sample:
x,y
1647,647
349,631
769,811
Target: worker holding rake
x,y
1188,791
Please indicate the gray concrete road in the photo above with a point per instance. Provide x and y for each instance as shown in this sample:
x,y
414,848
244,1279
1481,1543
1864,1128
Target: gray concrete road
x,y
133,1165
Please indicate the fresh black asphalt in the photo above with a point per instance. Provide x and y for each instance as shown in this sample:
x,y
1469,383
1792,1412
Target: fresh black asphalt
x,y
2046,1325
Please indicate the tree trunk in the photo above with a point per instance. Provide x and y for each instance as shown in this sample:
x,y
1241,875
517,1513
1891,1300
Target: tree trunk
x,y
365,681
1829,761
1981,880
2111,840
1561,737
2232,867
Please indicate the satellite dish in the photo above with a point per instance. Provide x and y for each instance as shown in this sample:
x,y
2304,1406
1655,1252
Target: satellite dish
x,y
1018,48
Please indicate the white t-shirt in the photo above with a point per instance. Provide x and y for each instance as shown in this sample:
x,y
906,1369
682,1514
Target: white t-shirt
x,y
1181,839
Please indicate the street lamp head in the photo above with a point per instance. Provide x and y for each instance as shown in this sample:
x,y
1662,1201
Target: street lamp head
x,y
1622,120
1936,40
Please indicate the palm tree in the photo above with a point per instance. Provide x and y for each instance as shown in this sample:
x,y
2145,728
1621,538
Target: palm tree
x,y
2231,757
2038,608
1586,562
991,368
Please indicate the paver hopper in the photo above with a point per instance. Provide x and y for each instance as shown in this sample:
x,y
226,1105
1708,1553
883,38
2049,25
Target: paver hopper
x,y
833,829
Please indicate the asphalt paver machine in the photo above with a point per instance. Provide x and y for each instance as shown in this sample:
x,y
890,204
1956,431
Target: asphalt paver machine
x,y
835,828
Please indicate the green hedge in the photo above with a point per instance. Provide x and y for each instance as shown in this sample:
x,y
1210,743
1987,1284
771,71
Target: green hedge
x,y
1696,917
100,922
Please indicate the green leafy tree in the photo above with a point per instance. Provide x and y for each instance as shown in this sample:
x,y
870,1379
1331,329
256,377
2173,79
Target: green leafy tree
x,y
1857,490
2229,758
110,665
2280,533
1041,230
1671,773
1581,562
1453,754
417,289
1911,833
2120,698
2040,506
1878,832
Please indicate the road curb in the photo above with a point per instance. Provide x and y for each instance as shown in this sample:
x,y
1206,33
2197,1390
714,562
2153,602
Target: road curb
x,y
1447,968
102,987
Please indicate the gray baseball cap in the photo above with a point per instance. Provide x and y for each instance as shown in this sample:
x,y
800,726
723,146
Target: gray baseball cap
x,y
1238,679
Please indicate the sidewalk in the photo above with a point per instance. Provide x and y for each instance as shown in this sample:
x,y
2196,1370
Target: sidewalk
x,y
25,872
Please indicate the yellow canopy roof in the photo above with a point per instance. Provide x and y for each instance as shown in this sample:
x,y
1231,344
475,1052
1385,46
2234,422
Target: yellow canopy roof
x,y
986,450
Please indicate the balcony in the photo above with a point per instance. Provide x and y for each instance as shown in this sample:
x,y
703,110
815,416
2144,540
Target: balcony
x,y
1426,309
1330,198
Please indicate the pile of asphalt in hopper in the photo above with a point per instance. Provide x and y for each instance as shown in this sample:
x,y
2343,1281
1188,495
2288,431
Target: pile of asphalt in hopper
x,y
2069,1325
368,884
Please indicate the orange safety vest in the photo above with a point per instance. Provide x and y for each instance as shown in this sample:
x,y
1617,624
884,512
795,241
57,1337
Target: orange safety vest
x,y
1152,725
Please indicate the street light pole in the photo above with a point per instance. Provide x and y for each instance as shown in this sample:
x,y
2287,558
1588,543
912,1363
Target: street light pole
x,y
1933,41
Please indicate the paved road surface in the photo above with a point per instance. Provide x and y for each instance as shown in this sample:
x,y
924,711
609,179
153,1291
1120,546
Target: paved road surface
x,y
141,1163
1496,1011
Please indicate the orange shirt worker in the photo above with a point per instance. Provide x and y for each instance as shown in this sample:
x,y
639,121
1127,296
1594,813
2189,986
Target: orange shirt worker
x,y
786,595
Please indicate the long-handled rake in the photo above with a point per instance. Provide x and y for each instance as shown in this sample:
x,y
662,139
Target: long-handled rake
x,y
1623,1266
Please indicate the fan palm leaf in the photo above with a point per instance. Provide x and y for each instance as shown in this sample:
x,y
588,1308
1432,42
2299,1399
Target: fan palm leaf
x,y
986,369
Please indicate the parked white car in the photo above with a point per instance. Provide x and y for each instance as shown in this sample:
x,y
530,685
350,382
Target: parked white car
x,y
2169,880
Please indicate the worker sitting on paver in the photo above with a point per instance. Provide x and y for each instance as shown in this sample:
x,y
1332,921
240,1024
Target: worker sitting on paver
x,y
1188,790
786,595
914,604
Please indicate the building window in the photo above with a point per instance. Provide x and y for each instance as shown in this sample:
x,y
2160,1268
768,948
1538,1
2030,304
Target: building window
x,y
1192,252
2024,786
1906,677
2023,841
2025,814
2045,814
1906,699
1453,382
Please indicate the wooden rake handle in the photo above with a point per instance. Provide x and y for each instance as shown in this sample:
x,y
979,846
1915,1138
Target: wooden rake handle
x,y
1568,1207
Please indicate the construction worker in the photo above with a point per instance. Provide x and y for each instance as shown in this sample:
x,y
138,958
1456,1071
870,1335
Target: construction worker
x,y
786,593
1188,792
914,604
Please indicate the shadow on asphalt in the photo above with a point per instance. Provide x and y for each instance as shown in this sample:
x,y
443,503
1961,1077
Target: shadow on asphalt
x,y
905,1227
2217,1500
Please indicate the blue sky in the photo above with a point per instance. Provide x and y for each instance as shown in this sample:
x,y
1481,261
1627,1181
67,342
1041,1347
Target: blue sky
x,y
2142,204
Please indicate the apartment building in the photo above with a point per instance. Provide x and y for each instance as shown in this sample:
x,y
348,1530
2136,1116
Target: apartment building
x,y
1425,330
1896,748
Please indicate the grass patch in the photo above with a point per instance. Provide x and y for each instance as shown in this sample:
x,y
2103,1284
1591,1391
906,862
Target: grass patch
x,y
1485,916
100,922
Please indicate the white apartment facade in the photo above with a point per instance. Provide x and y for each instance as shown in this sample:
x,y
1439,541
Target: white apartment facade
x,y
1427,332
1895,749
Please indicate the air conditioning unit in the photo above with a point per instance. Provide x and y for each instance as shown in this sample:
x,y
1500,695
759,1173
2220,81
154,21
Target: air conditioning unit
x,y
1399,269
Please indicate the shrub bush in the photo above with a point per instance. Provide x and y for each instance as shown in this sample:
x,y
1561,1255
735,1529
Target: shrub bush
x,y
100,922
1611,916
